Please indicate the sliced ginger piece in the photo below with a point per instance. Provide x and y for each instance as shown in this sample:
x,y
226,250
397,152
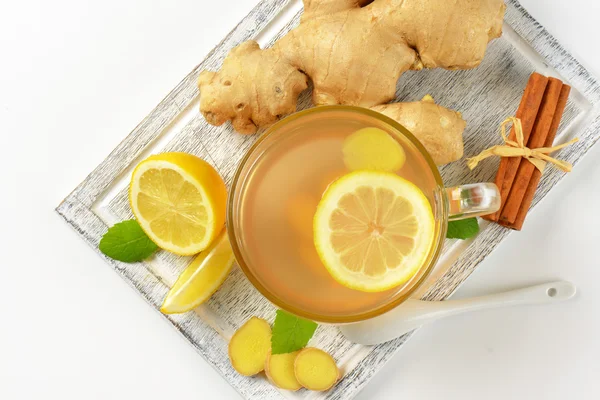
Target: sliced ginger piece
x,y
373,149
280,370
315,369
250,346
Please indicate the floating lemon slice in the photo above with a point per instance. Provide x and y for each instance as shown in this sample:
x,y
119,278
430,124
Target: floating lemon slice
x,y
179,201
373,230
201,278
373,149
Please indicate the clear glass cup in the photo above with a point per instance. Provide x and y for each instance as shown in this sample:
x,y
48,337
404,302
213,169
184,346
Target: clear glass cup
x,y
447,204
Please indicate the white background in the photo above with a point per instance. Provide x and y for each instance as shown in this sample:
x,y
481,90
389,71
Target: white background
x,y
77,76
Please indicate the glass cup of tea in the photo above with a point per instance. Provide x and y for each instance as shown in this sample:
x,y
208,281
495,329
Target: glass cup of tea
x,y
275,194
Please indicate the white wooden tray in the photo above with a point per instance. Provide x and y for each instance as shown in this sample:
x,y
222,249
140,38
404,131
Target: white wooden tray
x,y
485,96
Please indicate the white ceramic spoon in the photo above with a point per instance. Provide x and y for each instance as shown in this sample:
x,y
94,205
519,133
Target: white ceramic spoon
x,y
414,313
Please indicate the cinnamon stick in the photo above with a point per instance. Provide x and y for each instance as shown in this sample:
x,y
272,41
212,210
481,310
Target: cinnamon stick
x,y
539,133
537,175
527,113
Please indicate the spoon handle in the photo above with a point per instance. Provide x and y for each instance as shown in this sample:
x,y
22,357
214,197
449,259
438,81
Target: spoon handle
x,y
551,292
415,313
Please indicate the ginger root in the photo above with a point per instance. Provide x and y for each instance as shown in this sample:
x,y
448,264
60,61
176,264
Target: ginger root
x,y
315,369
353,50
254,88
437,128
279,368
249,347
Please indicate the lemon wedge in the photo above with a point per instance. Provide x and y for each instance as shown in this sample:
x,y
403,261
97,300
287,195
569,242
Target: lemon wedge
x,y
201,278
373,230
179,201
372,149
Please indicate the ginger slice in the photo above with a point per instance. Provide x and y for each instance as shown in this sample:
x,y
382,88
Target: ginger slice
x,y
279,368
315,369
250,346
373,149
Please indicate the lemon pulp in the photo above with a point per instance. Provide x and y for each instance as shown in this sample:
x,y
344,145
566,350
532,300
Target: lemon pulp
x,y
373,230
179,201
201,278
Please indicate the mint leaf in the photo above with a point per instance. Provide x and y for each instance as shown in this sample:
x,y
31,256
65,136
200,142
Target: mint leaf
x,y
127,242
462,229
290,333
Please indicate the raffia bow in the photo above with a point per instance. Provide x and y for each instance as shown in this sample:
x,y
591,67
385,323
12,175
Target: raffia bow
x,y
538,157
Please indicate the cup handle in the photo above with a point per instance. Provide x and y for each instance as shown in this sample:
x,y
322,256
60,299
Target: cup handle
x,y
472,200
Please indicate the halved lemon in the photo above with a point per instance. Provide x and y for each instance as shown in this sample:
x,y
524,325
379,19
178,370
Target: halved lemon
x,y
179,201
373,230
201,278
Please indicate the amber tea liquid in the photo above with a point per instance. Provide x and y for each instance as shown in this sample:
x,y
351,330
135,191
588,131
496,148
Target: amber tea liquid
x,y
279,197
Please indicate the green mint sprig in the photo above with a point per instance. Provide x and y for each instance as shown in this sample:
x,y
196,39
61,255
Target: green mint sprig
x,y
127,242
463,229
290,333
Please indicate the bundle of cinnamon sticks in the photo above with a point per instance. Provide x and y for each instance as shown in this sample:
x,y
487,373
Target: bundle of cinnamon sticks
x,y
540,113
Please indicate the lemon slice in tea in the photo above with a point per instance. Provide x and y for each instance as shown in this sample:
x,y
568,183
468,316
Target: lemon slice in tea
x,y
373,230
179,201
